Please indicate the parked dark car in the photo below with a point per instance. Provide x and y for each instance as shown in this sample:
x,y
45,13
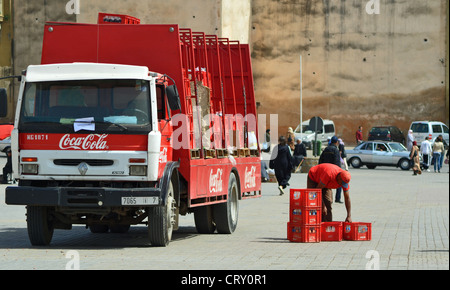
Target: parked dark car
x,y
386,133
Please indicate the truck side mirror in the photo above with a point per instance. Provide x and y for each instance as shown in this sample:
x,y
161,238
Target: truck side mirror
x,y
3,103
173,97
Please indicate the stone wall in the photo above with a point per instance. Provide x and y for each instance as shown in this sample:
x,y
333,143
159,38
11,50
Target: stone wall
x,y
358,69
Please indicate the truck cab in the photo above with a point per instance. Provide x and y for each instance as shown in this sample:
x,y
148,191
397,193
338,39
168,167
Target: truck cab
x,y
87,110
87,144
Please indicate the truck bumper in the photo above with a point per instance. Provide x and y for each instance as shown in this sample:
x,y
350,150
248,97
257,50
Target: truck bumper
x,y
82,196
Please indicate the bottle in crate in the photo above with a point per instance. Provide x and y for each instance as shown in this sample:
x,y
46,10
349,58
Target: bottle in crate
x,y
331,231
357,231
306,215
301,233
306,197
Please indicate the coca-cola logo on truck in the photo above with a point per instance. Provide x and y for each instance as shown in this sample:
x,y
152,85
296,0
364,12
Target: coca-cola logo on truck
x,y
215,181
250,177
89,142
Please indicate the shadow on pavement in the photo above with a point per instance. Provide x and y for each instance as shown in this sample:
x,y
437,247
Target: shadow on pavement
x,y
81,238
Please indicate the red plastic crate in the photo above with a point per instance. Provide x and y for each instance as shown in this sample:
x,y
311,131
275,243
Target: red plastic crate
x,y
303,233
108,18
331,231
357,231
306,215
306,197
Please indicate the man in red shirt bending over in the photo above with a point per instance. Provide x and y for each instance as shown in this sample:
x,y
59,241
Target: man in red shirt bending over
x,y
328,176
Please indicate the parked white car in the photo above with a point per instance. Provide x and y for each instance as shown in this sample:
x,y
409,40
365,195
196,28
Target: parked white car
x,y
432,129
308,135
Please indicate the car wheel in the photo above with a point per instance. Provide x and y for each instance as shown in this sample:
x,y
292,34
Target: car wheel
x,y
404,164
355,162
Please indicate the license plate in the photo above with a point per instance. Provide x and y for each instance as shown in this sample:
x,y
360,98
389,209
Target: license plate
x,y
140,200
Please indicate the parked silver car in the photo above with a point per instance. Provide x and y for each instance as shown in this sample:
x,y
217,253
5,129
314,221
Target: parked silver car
x,y
379,153
5,144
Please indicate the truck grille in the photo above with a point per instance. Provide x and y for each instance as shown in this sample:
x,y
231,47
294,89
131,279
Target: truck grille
x,y
90,162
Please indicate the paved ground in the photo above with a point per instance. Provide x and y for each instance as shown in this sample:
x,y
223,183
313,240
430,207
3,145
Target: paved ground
x,y
410,230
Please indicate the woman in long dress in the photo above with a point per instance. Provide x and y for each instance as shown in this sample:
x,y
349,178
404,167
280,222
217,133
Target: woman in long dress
x,y
415,157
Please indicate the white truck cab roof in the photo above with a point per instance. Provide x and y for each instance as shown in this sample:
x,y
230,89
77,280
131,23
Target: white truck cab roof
x,y
84,71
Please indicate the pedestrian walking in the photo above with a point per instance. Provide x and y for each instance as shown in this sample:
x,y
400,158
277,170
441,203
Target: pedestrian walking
x,y
438,151
266,144
414,155
343,155
8,167
290,138
426,151
332,155
299,153
281,162
409,140
328,176
359,135
447,160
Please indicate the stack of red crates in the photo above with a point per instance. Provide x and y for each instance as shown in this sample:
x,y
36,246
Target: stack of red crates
x,y
305,221
305,215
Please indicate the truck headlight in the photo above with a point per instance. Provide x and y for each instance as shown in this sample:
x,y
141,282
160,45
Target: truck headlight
x,y
30,169
138,170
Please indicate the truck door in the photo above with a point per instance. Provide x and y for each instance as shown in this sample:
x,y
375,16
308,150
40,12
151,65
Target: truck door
x,y
165,126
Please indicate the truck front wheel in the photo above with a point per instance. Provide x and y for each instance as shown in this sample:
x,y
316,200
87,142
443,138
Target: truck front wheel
x,y
161,220
40,226
226,214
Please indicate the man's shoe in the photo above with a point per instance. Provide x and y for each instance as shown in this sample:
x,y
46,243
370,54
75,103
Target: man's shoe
x,y
280,188
338,201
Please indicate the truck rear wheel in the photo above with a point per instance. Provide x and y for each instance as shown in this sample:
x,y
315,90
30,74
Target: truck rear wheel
x,y
40,226
226,214
161,220
204,220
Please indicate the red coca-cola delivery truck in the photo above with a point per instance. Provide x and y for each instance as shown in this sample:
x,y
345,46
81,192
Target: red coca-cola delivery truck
x,y
124,123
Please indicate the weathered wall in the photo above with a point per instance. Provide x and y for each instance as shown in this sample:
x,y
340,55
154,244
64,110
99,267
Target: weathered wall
x,y
200,16
357,68
29,19
225,18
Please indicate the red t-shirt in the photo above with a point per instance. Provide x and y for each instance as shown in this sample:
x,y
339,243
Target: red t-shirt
x,y
326,174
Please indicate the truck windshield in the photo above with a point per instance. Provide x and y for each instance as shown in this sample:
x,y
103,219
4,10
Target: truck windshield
x,y
92,105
